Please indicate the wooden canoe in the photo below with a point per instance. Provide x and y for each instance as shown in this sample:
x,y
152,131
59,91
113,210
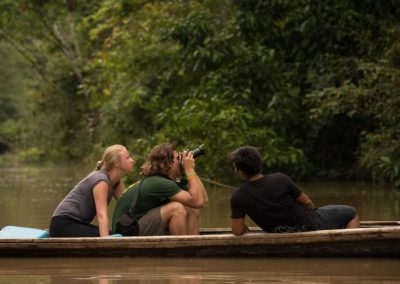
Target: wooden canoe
x,y
373,239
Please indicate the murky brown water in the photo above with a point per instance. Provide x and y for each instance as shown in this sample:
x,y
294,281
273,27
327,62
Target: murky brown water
x,y
28,197
193,271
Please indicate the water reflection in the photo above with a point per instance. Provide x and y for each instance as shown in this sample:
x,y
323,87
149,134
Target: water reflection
x,y
193,271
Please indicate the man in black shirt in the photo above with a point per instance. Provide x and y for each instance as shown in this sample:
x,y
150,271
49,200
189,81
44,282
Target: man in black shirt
x,y
274,202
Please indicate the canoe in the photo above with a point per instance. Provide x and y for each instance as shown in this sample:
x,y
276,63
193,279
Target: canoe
x,y
374,238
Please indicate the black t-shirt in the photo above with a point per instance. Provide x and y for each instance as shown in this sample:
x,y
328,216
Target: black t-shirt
x,y
271,202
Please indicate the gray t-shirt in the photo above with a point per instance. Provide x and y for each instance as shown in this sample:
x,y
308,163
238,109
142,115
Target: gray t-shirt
x,y
79,203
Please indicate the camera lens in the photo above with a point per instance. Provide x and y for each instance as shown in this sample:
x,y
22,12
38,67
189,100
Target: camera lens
x,y
199,151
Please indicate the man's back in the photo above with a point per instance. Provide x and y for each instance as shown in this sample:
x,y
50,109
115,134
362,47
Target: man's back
x,y
271,202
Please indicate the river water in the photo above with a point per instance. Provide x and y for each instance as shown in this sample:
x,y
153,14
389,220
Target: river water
x,y
29,195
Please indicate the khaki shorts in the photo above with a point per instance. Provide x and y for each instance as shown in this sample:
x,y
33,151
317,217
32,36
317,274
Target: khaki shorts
x,y
151,224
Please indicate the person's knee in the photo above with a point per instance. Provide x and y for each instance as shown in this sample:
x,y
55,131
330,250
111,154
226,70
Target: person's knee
x,y
177,209
353,223
352,212
353,220
193,212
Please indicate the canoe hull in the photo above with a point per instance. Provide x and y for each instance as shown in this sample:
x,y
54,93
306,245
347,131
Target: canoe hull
x,y
378,241
350,249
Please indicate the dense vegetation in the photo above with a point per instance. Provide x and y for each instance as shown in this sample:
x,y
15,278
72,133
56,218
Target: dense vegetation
x,y
315,85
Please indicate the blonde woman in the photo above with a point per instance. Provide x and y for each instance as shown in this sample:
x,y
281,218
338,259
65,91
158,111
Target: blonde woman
x,y
90,197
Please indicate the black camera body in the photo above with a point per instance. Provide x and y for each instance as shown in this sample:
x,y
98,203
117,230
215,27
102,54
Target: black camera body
x,y
199,151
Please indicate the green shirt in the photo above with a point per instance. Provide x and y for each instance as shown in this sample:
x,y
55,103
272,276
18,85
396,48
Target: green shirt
x,y
155,192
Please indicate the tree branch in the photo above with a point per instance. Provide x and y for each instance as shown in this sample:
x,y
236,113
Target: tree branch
x,y
27,55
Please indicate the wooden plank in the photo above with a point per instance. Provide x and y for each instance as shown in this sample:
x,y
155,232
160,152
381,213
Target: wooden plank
x,y
364,224
254,236
379,223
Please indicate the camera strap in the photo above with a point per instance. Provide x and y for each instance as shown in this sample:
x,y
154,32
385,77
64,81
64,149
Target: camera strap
x,y
135,197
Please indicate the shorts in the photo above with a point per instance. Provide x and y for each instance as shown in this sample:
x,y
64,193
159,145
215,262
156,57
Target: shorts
x,y
334,216
151,224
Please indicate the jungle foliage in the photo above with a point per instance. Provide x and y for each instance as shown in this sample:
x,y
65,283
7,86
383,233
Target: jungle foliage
x,y
314,85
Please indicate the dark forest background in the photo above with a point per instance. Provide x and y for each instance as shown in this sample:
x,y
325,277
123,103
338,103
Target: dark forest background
x,y
315,85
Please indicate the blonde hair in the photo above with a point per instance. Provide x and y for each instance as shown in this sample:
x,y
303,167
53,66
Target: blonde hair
x,y
111,155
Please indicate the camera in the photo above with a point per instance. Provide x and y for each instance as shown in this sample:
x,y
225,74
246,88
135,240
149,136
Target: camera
x,y
199,151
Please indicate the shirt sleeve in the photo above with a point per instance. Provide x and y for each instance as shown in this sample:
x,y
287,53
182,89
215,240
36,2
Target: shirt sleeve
x,y
237,212
168,188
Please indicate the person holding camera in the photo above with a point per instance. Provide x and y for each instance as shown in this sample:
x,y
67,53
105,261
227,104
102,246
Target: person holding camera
x,y
276,204
162,206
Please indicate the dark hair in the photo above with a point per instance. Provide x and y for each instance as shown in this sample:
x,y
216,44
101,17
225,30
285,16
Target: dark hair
x,y
159,161
247,159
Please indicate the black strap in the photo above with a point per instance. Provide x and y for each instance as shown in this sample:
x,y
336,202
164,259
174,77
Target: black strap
x,y
135,197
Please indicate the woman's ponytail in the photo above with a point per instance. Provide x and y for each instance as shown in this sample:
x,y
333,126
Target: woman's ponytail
x,y
99,165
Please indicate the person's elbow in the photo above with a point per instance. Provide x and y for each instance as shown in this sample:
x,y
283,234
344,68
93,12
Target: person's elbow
x,y
310,205
189,200
305,201
197,204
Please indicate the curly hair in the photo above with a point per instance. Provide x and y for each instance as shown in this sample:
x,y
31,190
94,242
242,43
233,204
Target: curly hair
x,y
158,161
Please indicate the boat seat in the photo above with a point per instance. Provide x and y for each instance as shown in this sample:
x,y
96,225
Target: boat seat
x,y
15,232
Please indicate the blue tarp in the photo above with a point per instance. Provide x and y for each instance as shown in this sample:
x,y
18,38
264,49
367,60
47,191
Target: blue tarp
x,y
15,232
